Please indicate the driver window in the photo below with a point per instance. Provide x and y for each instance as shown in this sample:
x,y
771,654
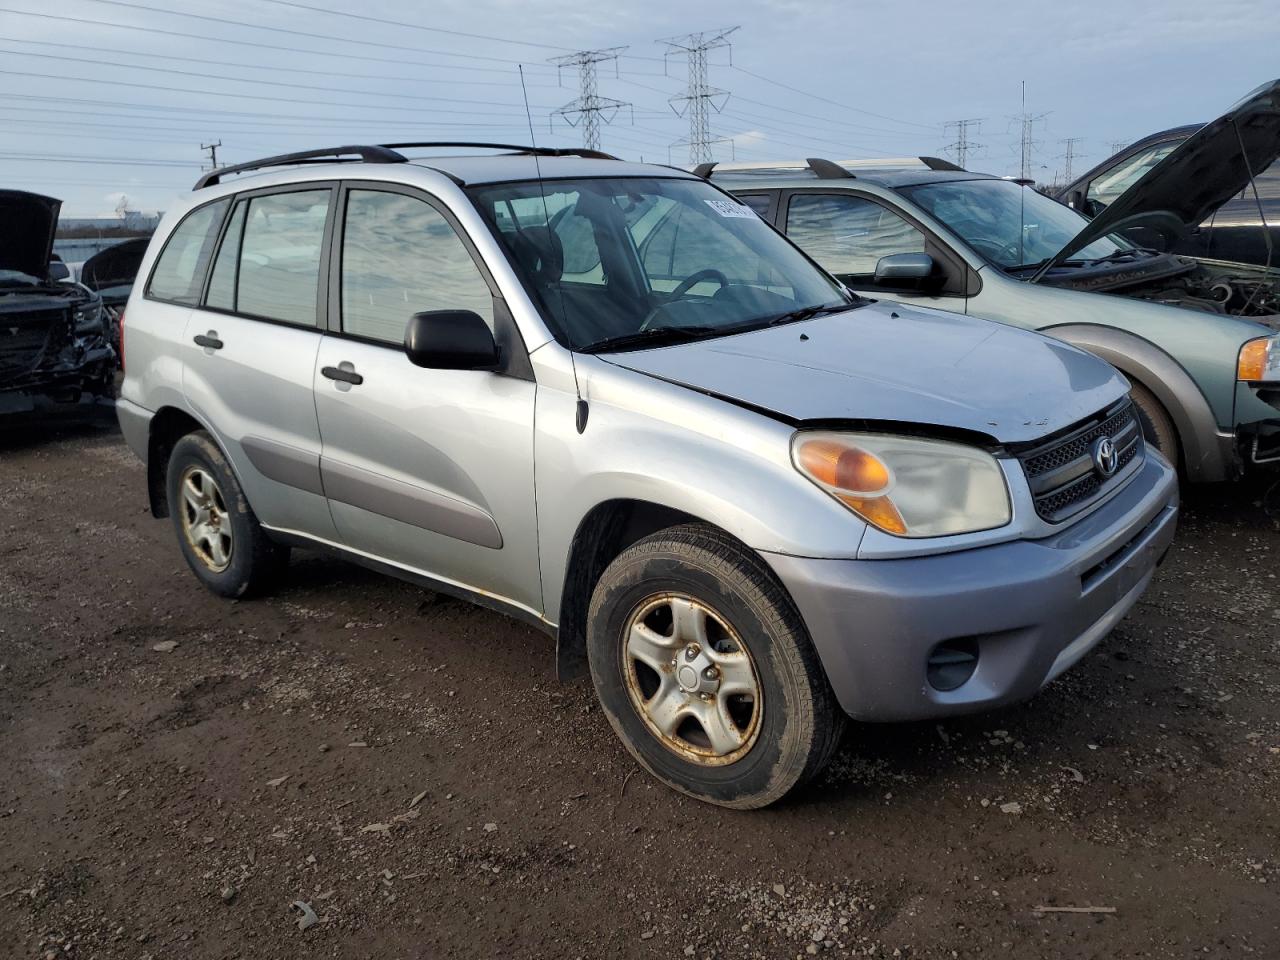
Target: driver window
x,y
1107,186
848,235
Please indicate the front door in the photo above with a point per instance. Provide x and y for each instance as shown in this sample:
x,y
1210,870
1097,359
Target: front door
x,y
430,470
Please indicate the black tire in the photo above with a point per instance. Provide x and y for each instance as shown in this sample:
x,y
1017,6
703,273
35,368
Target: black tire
x,y
1157,426
800,723
253,562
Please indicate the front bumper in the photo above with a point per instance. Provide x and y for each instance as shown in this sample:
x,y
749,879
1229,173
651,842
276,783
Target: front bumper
x,y
1033,607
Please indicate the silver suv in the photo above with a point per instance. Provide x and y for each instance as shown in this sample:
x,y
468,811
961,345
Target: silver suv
x,y
608,399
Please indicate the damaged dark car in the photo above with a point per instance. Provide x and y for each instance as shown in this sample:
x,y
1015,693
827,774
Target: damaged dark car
x,y
54,337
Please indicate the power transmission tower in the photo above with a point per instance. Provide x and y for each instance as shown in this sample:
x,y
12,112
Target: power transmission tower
x,y
700,98
1069,157
1027,141
1118,145
962,146
213,153
590,109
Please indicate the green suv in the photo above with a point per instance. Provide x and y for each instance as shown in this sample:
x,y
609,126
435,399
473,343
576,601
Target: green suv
x,y
1195,337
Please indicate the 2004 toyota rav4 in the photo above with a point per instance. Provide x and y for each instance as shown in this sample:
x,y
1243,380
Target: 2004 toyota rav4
x,y
752,502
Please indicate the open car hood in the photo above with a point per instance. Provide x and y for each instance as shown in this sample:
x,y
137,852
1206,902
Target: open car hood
x,y
889,364
1199,176
26,239
115,266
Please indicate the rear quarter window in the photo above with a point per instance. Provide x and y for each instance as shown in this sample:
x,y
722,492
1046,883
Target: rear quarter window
x,y
179,272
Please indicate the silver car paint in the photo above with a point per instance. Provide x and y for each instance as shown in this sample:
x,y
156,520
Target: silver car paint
x,y
887,362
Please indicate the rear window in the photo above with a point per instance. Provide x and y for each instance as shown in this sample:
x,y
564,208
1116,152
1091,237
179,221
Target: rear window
x,y
179,273
279,271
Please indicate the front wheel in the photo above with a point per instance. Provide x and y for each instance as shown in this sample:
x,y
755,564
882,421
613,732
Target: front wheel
x,y
706,672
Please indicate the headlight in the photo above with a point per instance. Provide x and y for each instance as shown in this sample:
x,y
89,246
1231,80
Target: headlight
x,y
1259,361
905,486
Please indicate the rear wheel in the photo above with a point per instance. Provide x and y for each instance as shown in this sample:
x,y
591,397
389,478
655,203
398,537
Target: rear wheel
x,y
1157,426
219,535
706,672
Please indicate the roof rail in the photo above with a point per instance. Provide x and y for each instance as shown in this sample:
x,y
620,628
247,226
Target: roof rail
x,y
386,153
937,163
826,170
340,154
703,170
515,147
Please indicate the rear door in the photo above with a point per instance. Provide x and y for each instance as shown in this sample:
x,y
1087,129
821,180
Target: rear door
x,y
430,470
848,234
251,351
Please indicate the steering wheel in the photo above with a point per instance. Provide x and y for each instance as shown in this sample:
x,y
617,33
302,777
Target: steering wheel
x,y
1003,251
687,284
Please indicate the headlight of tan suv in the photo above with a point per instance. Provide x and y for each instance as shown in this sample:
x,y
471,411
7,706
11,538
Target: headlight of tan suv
x,y
1259,361
906,486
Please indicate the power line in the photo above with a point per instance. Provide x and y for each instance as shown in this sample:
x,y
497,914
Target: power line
x,y
279,69
590,109
835,103
962,145
412,26
265,46
699,98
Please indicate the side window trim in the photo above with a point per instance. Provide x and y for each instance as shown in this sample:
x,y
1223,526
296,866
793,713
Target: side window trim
x,y
970,279
146,291
515,354
321,285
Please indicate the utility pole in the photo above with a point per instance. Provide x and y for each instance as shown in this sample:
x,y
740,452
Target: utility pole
x,y
700,98
962,145
590,109
1028,143
1069,157
213,153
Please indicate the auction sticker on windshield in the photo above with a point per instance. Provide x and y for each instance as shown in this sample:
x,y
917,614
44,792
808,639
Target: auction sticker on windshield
x,y
727,208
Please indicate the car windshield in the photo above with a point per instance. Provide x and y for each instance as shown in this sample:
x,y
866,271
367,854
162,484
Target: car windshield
x,y
615,263
1008,224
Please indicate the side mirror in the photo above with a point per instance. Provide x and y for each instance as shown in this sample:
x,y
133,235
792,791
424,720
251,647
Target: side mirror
x,y
450,340
904,269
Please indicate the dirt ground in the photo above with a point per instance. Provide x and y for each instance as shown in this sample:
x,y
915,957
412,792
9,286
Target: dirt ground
x,y
408,767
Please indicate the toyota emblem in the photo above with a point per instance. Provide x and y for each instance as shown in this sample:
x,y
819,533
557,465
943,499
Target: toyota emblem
x,y
1105,457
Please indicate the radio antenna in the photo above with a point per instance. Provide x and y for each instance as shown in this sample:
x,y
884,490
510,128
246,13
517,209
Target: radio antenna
x,y
581,409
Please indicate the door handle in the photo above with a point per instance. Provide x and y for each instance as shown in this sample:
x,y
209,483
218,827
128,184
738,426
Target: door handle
x,y
208,340
342,374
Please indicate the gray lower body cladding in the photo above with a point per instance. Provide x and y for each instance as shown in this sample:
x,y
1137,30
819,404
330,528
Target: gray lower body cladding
x,y
1028,610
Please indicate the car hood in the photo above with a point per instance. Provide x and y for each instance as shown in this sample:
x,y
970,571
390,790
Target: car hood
x,y
115,266
894,364
26,242
1199,176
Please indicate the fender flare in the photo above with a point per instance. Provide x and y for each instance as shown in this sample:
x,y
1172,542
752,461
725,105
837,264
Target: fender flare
x,y
1206,456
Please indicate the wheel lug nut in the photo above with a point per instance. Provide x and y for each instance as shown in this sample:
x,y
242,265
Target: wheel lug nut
x,y
711,673
705,696
691,651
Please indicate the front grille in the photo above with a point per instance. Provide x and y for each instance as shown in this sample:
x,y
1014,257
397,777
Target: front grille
x,y
1062,473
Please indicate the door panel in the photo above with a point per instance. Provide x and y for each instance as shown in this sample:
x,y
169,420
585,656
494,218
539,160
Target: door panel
x,y
431,469
428,469
255,392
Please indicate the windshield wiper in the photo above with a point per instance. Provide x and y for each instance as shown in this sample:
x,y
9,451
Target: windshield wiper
x,y
808,313
1122,254
653,337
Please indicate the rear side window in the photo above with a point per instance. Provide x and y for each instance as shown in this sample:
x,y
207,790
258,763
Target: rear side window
x,y
278,276
849,235
400,256
222,285
179,273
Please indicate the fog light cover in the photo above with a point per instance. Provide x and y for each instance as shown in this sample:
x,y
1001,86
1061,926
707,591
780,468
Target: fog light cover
x,y
952,663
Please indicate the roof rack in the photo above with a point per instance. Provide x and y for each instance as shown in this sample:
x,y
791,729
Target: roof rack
x,y
703,170
340,154
937,163
829,169
826,170
386,153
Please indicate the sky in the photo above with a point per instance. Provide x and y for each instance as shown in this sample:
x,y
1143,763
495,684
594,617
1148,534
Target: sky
x,y
107,102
